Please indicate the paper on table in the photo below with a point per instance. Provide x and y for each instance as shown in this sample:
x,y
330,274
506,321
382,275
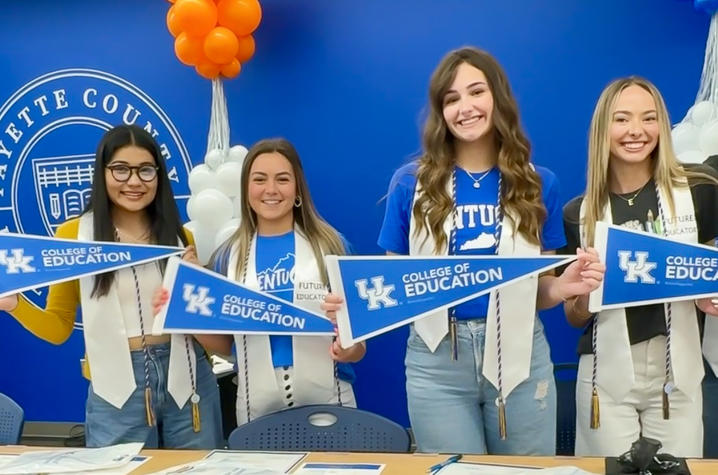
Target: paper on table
x,y
320,468
71,461
214,467
464,468
279,461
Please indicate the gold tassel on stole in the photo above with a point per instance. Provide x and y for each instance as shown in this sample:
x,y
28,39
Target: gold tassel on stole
x,y
595,410
148,407
502,419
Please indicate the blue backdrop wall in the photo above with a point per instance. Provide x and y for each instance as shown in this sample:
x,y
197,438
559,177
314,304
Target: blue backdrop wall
x,y
346,82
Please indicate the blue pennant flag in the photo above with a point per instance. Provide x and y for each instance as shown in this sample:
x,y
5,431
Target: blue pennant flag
x,y
29,262
384,292
202,301
644,268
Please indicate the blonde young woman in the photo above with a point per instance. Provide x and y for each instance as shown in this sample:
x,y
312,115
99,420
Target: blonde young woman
x,y
279,248
640,366
142,386
475,191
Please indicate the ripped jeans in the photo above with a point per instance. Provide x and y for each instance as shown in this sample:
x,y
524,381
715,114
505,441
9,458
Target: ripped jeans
x,y
452,406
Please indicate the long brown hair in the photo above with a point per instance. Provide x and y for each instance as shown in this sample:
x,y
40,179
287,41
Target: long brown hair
x,y
521,186
667,171
323,238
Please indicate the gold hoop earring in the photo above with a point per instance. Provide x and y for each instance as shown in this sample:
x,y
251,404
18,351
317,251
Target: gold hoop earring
x,y
297,201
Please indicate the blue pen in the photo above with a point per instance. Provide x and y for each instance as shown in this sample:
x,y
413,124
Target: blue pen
x,y
439,466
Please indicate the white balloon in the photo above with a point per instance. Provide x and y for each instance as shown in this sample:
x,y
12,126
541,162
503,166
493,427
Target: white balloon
x,y
201,178
237,153
701,113
213,208
214,158
229,178
708,140
685,137
204,238
692,156
225,232
190,209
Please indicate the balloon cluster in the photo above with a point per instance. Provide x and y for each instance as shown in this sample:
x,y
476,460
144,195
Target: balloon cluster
x,y
696,137
213,207
214,36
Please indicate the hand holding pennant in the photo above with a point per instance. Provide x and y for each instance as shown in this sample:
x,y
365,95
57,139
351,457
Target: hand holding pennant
x,y
384,292
643,268
28,261
202,301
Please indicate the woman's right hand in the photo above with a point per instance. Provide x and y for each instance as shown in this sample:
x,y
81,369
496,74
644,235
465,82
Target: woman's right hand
x,y
331,304
9,303
159,300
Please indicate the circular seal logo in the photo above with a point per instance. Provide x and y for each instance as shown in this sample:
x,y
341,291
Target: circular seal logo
x,y
49,130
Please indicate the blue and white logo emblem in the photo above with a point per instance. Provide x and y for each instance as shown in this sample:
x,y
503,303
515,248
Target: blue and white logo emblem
x,y
49,129
378,295
640,268
197,302
15,261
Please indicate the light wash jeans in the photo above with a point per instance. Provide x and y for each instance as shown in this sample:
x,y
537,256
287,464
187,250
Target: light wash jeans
x,y
106,425
452,406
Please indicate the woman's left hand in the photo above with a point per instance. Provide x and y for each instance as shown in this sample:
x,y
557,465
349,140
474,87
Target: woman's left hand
x,y
708,305
190,255
582,276
349,355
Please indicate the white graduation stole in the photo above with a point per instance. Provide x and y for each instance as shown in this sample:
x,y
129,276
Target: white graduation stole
x,y
313,368
517,306
107,347
614,369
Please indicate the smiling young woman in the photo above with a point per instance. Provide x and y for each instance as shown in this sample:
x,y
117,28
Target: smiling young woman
x,y
143,388
640,368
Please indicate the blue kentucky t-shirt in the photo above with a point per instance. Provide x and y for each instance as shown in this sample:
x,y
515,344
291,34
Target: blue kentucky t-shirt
x,y
275,275
274,265
476,221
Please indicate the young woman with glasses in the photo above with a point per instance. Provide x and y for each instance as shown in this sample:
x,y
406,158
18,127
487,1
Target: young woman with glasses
x,y
159,390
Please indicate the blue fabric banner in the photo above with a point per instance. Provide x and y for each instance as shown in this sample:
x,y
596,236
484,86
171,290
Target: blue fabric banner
x,y
202,301
383,293
643,268
29,262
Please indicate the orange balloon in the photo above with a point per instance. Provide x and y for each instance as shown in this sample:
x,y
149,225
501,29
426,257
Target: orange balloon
x,y
188,49
207,69
171,1
220,45
246,48
232,69
240,16
196,17
172,22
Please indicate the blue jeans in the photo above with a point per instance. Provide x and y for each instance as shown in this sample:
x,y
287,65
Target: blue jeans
x,y
106,425
452,406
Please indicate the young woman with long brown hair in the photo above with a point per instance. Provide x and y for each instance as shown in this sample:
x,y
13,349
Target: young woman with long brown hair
x,y
479,377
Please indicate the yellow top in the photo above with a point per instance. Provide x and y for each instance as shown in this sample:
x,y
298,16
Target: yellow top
x,y
55,322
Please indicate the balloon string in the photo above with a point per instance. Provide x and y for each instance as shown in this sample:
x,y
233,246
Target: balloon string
x,y
218,136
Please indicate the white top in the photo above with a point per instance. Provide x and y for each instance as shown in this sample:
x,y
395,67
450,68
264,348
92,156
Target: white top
x,y
149,279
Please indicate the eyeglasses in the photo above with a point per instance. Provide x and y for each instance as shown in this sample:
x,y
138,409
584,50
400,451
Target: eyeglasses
x,y
122,173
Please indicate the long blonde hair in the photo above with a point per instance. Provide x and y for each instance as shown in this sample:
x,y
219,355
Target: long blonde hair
x,y
323,238
521,185
667,171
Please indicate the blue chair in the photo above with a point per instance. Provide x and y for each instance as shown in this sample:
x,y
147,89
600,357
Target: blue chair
x,y
325,428
12,418
565,375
